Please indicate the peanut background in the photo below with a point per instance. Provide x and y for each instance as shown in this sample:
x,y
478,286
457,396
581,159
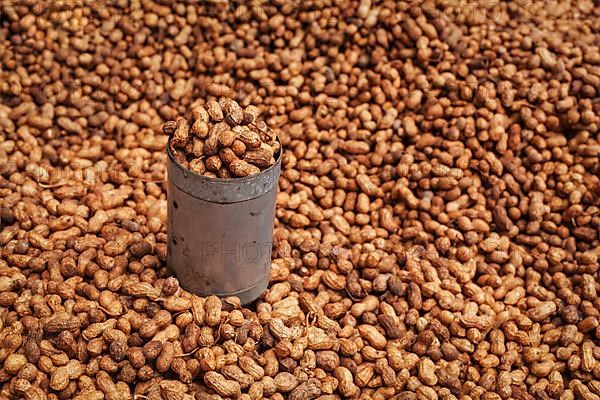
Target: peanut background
x,y
438,219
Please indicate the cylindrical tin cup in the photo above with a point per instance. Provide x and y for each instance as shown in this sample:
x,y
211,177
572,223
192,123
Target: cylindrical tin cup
x,y
220,231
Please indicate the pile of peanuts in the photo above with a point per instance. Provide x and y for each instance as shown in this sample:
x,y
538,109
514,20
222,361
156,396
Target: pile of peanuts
x,y
222,140
438,215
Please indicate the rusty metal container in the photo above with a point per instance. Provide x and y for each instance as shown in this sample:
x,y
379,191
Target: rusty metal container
x,y
221,231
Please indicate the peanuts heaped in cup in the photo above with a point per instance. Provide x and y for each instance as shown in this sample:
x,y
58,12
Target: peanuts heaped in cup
x,y
224,141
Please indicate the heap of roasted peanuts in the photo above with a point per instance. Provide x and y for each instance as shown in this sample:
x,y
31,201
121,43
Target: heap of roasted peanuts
x,y
438,215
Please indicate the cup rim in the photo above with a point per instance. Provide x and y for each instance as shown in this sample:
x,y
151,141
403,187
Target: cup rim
x,y
225,180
